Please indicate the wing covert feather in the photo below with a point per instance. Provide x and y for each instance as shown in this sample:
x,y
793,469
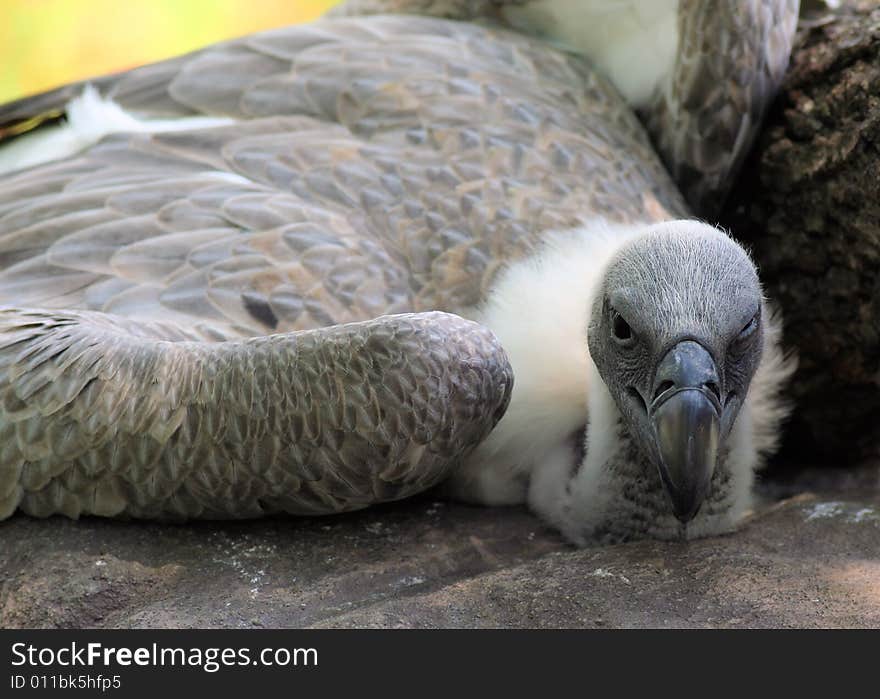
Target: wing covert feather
x,y
213,292
397,163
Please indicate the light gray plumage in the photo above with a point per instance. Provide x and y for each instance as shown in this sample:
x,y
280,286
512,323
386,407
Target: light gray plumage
x,y
375,165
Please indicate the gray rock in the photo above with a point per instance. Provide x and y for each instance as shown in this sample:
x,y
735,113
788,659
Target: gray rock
x,y
812,560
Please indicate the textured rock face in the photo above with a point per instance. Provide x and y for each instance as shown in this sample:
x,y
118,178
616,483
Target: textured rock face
x,y
808,561
808,204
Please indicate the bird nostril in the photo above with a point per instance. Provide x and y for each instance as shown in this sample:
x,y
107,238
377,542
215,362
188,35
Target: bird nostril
x,y
713,388
662,388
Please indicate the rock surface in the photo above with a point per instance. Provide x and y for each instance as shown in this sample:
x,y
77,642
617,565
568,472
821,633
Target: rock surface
x,y
812,560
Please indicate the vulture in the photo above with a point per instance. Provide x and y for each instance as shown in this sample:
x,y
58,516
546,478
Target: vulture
x,y
415,243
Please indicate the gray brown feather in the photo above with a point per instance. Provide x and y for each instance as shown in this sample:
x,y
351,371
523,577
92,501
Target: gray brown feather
x,y
109,417
730,62
379,165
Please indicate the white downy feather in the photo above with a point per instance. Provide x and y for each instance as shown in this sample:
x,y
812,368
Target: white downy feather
x,y
90,117
633,43
539,310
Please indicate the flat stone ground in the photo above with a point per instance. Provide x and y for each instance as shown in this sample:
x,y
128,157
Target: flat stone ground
x,y
810,559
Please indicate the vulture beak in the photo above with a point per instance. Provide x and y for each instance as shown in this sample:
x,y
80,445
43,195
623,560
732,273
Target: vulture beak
x,y
686,415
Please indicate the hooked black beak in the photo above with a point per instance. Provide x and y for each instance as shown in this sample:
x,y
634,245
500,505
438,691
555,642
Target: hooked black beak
x,y
686,415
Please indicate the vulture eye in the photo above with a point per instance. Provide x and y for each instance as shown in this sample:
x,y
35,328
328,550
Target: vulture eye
x,y
749,328
622,331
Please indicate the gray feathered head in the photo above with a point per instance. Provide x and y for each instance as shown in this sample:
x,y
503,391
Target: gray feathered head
x,y
676,333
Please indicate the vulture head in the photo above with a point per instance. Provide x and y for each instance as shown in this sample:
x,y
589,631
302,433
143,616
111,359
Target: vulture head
x,y
676,334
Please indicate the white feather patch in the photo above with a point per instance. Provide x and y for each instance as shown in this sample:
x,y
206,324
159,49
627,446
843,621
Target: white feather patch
x,y
768,408
90,117
539,310
632,42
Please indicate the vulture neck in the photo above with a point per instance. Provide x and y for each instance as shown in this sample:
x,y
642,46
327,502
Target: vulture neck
x,y
539,309
616,485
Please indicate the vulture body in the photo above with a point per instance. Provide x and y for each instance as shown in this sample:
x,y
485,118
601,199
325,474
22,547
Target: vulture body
x,y
337,264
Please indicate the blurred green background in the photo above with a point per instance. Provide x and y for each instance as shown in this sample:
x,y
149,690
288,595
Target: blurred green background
x,y
45,43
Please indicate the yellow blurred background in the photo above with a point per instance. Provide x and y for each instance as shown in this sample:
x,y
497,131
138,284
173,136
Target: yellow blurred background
x,y
45,43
